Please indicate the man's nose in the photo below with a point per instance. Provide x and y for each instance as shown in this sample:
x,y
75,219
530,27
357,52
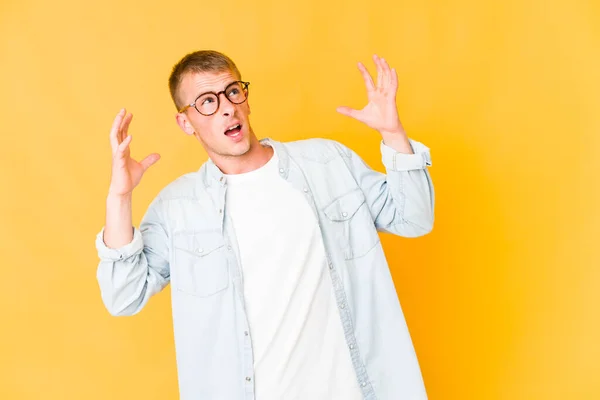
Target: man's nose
x,y
225,105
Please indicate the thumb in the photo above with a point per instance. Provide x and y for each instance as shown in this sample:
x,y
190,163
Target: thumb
x,y
349,112
149,161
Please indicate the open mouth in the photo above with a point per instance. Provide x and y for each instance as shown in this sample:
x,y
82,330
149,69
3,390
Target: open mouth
x,y
234,130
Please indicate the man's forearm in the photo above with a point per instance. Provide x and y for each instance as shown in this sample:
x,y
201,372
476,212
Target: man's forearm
x,y
118,230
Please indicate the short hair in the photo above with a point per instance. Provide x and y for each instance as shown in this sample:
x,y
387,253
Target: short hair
x,y
199,61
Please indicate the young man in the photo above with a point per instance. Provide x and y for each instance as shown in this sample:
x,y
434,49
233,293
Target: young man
x,y
280,287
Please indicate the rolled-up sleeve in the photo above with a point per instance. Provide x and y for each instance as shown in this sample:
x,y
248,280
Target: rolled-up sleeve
x,y
129,250
130,275
394,161
401,201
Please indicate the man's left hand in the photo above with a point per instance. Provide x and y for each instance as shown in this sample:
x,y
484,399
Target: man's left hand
x,y
381,113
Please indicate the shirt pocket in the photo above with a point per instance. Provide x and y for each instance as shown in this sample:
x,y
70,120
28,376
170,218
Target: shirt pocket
x,y
200,263
352,224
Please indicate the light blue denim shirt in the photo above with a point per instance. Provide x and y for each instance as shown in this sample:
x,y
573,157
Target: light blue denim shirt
x,y
186,238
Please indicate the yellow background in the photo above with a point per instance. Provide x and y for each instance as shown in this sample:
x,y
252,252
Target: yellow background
x,y
502,298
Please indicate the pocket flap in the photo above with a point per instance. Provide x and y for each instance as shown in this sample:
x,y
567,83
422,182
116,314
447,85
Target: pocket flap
x,y
344,207
200,244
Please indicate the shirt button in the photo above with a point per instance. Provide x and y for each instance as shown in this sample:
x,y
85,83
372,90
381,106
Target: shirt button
x,y
351,347
245,333
342,305
221,211
228,247
248,379
363,384
344,214
305,190
281,170
200,250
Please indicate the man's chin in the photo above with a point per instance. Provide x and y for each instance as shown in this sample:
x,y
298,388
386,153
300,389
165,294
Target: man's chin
x,y
240,149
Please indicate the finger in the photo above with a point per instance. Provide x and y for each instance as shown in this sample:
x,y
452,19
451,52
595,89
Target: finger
x,y
367,77
149,160
349,112
114,131
123,146
125,126
387,78
379,71
394,82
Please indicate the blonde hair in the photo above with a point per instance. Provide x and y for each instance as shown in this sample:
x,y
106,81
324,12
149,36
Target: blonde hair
x,y
199,61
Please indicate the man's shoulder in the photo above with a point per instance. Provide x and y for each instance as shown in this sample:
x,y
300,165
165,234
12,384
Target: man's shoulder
x,y
185,186
316,148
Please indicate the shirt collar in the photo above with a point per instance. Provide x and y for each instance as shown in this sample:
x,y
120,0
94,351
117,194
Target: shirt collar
x,y
213,176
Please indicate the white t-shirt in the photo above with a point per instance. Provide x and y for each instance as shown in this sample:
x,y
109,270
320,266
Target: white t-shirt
x,y
298,342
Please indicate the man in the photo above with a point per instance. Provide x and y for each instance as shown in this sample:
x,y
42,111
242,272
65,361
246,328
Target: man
x,y
281,289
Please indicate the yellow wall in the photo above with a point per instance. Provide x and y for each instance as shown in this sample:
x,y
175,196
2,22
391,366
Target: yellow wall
x,y
502,298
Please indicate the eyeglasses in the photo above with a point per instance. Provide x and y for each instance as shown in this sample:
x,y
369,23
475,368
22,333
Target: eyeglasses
x,y
208,103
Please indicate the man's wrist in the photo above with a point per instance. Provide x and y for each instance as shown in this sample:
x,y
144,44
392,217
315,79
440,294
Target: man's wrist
x,y
115,198
397,140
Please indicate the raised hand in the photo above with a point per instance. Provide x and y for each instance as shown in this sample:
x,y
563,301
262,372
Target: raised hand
x,y
380,113
126,172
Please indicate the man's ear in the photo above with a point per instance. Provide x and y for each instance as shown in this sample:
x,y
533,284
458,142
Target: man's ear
x,y
184,124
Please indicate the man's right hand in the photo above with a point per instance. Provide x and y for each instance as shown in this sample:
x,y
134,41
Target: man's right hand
x,y
126,172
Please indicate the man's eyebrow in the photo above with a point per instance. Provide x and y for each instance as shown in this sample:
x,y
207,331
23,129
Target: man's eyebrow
x,y
200,93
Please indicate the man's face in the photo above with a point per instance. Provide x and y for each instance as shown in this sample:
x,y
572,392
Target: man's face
x,y
214,131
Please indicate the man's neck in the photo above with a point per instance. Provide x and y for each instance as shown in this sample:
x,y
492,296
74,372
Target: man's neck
x,y
256,157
